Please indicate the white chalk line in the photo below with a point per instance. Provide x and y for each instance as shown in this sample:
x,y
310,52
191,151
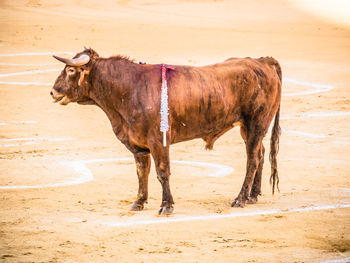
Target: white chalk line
x,y
338,260
19,122
27,65
25,122
305,134
27,73
25,83
316,115
317,88
80,167
167,220
85,174
222,170
30,141
30,72
36,54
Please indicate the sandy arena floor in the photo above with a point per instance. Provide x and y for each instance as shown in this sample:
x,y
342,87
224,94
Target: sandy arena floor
x,y
66,182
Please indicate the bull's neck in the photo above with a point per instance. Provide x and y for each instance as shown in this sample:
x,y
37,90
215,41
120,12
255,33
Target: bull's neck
x,y
110,84
111,78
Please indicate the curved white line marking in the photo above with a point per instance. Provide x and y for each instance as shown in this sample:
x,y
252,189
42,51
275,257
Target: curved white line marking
x,y
316,87
36,54
220,170
25,122
19,122
136,222
85,174
326,114
26,83
338,260
29,141
27,65
316,115
29,72
304,134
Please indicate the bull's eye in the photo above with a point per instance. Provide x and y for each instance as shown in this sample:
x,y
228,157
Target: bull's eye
x,y
70,71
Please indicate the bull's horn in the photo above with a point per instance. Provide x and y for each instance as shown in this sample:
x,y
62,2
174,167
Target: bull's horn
x,y
75,62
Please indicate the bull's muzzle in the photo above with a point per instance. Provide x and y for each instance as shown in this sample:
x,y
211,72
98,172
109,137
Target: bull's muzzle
x,y
58,97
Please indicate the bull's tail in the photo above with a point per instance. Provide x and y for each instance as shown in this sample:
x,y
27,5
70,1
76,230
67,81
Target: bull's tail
x,y
274,146
275,138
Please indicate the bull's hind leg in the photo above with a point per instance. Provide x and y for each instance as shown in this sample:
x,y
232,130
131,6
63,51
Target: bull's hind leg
x,y
161,158
143,166
256,188
253,138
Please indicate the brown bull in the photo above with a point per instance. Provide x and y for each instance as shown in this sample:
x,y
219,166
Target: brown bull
x,y
204,102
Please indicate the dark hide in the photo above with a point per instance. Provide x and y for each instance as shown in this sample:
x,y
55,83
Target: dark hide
x,y
204,102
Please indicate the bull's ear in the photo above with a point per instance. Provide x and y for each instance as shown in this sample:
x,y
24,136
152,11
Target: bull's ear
x,y
92,53
84,71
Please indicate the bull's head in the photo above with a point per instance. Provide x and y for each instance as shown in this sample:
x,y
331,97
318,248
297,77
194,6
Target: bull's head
x,y
72,85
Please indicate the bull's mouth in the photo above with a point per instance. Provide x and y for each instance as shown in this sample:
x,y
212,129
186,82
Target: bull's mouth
x,y
62,99
58,99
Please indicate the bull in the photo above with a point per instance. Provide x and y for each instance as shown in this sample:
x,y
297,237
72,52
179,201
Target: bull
x,y
204,102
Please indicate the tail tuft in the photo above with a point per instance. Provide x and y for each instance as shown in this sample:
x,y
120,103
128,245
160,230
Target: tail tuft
x,y
274,147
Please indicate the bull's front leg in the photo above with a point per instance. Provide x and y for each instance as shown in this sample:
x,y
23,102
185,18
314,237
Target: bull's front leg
x,y
161,158
143,166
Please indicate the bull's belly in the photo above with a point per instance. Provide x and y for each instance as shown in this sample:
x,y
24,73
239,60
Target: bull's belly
x,y
209,132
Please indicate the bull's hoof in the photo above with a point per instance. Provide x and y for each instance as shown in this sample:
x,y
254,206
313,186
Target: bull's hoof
x,y
166,210
238,203
136,207
252,200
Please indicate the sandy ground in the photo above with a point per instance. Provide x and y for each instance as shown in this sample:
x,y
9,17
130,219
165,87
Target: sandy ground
x,y
48,151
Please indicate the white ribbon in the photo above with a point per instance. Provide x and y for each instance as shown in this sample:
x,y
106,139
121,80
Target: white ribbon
x,y
164,110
